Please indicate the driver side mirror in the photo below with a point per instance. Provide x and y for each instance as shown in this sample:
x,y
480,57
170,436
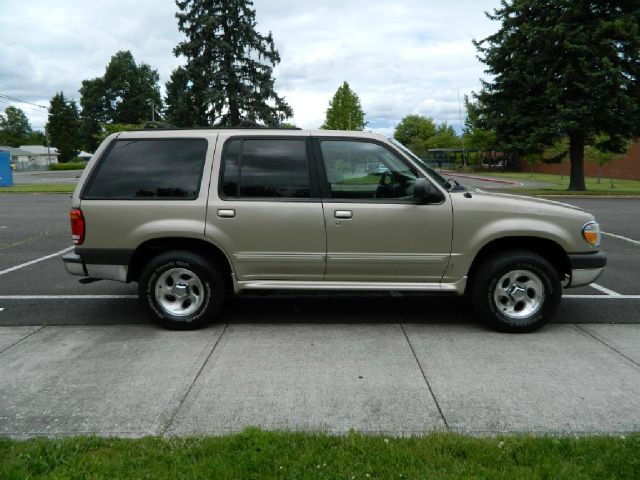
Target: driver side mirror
x,y
424,192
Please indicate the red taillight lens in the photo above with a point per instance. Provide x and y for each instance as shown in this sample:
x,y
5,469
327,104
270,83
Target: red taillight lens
x,y
77,226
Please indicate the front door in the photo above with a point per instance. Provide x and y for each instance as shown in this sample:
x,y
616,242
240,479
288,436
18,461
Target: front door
x,y
375,230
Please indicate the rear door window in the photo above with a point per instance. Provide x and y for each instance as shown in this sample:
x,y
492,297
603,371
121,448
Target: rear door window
x,y
168,169
266,168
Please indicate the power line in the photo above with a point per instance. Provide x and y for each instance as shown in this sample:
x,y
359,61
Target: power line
x,y
19,100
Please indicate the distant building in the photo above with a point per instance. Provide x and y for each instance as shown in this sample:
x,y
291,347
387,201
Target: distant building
x,y
30,157
85,156
17,157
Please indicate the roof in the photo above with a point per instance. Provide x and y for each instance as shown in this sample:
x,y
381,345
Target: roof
x,y
38,150
84,154
227,132
15,152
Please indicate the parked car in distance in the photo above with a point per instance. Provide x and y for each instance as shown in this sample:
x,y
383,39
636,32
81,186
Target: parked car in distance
x,y
196,215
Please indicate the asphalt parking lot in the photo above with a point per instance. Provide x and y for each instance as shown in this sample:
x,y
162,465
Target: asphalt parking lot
x,y
84,359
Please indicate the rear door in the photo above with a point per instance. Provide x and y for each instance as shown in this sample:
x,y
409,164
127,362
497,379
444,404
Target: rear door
x,y
375,230
265,209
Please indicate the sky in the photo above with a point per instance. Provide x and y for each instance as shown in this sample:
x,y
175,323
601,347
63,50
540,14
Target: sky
x,y
401,57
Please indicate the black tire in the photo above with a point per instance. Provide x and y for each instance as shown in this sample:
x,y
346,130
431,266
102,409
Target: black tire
x,y
523,274
201,290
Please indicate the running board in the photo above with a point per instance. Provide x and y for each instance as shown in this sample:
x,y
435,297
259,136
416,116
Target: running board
x,y
456,287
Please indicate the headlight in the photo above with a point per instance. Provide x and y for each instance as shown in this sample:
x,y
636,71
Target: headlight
x,y
591,233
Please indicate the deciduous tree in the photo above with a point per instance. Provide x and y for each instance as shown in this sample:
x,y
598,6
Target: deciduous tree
x,y
126,94
15,129
420,133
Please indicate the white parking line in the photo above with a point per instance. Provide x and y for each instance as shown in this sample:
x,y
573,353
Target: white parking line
x,y
26,264
605,297
65,297
635,242
611,293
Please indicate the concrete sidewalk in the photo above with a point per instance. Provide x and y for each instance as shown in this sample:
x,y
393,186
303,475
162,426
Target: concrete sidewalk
x,y
136,380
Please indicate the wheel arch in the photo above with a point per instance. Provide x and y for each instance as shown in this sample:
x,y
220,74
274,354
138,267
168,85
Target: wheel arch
x,y
546,248
151,248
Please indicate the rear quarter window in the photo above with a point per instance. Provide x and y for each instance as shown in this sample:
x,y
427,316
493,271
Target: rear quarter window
x,y
168,169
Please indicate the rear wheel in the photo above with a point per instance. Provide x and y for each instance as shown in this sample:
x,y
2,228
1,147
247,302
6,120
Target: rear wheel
x,y
181,290
516,291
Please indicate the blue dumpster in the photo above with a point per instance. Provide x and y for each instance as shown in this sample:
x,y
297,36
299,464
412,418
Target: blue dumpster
x,y
6,175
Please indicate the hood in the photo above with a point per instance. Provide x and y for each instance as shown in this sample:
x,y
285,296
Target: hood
x,y
524,200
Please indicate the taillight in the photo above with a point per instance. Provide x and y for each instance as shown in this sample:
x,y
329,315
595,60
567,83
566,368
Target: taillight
x,y
77,226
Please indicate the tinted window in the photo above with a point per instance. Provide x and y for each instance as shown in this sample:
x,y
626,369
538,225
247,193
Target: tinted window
x,y
266,168
146,169
363,170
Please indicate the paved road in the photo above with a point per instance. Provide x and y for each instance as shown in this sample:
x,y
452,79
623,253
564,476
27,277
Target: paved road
x,y
399,364
45,176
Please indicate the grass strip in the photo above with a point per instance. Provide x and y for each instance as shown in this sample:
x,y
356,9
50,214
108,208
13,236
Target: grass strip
x,y
264,455
560,183
68,166
39,188
565,193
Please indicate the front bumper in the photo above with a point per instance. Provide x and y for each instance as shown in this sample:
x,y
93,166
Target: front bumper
x,y
586,268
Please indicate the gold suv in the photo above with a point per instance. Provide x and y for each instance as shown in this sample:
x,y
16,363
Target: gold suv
x,y
196,215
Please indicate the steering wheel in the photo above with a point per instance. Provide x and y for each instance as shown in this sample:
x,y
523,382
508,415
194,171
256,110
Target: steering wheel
x,y
382,184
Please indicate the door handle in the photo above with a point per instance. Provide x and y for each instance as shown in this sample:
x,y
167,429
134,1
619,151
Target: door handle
x,y
343,214
226,213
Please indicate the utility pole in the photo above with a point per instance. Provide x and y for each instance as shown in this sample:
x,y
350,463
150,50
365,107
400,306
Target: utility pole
x,y
48,149
153,112
464,157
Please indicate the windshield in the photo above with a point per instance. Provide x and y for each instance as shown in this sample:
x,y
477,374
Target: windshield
x,y
432,173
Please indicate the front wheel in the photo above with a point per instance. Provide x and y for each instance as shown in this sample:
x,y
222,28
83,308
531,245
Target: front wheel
x,y
516,291
181,290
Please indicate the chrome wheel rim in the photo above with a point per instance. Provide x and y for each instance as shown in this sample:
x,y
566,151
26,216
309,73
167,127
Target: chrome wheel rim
x,y
179,292
519,294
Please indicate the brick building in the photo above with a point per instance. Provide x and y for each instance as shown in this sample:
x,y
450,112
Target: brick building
x,y
627,167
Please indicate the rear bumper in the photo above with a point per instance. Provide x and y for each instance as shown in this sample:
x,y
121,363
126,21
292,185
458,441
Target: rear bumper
x,y
76,265
586,268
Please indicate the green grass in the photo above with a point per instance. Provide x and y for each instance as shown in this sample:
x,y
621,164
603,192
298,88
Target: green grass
x,y
40,188
264,455
559,184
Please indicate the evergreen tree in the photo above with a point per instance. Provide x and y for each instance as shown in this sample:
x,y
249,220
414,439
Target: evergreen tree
x,y
344,112
63,127
183,109
563,68
228,73
476,134
125,94
15,129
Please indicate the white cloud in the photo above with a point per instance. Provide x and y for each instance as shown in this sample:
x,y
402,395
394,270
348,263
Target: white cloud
x,y
400,57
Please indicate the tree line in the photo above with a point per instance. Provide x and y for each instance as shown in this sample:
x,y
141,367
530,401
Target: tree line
x,y
563,82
